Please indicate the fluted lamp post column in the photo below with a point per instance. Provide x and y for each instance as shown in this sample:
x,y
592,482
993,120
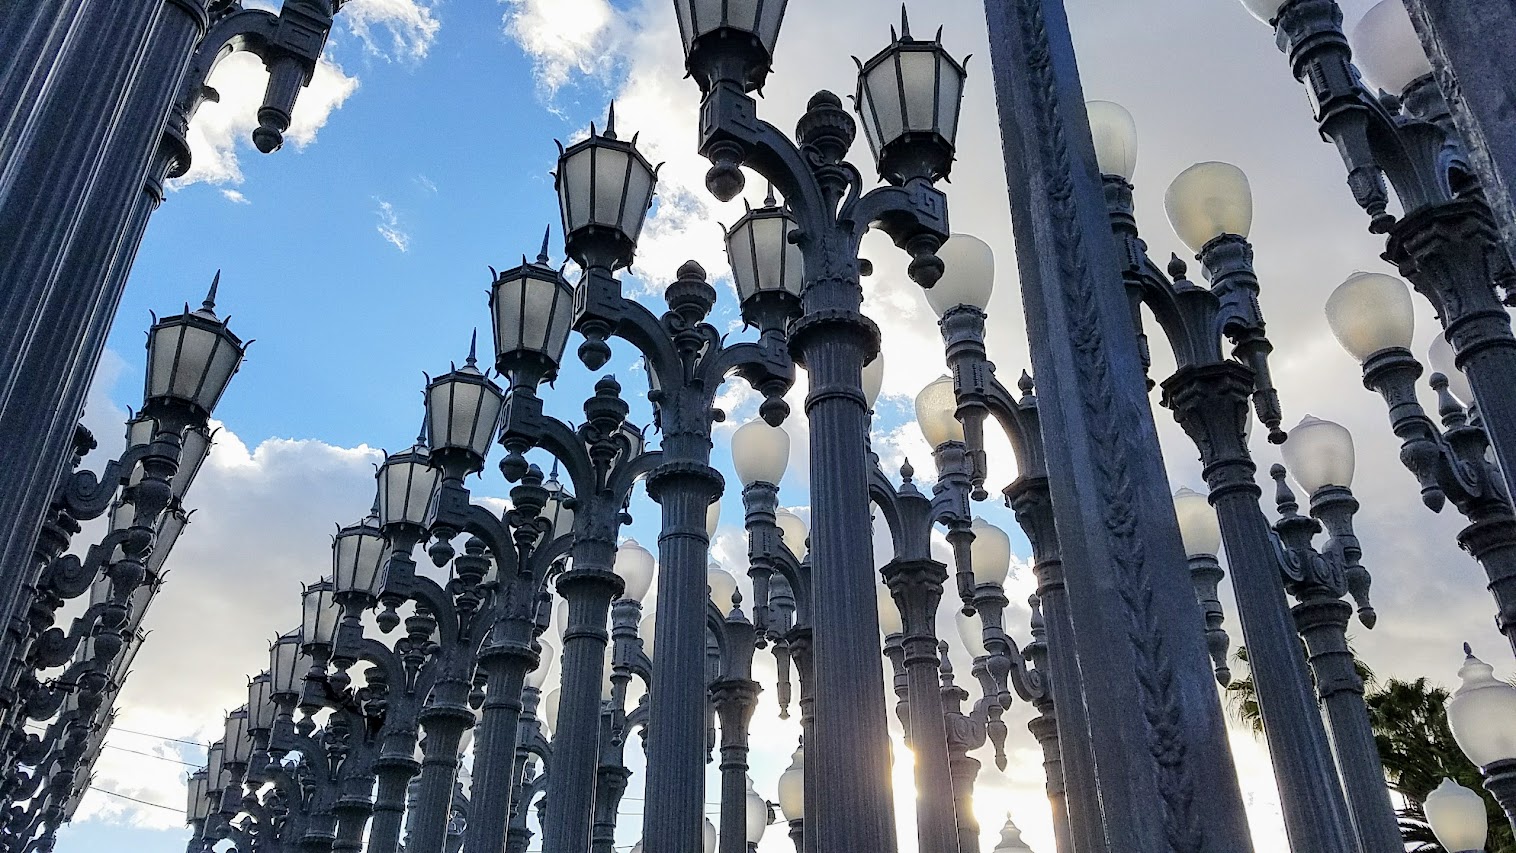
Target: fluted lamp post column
x,y
1482,715
1372,318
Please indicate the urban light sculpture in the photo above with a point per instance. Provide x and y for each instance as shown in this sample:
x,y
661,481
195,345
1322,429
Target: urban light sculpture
x,y
1480,713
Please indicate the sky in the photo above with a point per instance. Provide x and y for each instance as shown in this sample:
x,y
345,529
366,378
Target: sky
x,y
358,258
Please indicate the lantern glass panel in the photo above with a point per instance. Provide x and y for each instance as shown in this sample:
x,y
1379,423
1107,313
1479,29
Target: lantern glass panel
x,y
406,484
170,525
533,310
192,455
319,614
357,556
215,768
191,358
239,748
464,409
260,703
284,664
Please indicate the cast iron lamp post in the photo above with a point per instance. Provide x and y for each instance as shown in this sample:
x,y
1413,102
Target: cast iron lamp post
x,y
604,188
909,97
1457,817
1480,713
1319,455
1447,242
1371,316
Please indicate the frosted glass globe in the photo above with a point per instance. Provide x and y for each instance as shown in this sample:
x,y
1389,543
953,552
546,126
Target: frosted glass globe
x,y
1198,526
792,787
634,564
990,553
937,412
873,379
722,586
1208,200
760,452
968,275
1319,453
971,632
1457,817
1370,312
1115,134
1387,49
792,531
1482,714
1264,10
889,614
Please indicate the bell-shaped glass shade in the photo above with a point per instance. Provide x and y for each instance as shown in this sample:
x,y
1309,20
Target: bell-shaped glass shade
x,y
319,613
873,379
762,257
1457,816
260,703
1387,49
538,677
463,409
407,482
712,30
605,187
708,835
1440,357
1371,312
532,308
722,586
990,553
1115,134
197,441
971,632
165,533
792,531
284,664
1199,528
889,614
1264,10
712,517
191,358
239,746
549,713
634,564
760,452
1319,453
1482,714
1208,200
757,814
647,631
792,787
937,412
968,275
357,557
909,97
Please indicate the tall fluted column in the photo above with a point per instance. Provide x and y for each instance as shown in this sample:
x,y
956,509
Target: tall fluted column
x,y
507,663
444,720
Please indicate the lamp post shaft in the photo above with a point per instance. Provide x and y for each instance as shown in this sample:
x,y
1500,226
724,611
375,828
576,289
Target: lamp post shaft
x,y
1500,781
676,727
1466,43
735,700
444,720
589,587
69,209
495,740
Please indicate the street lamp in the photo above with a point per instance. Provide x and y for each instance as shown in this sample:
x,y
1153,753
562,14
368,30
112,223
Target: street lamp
x,y
634,564
1370,313
760,452
1457,817
1388,51
1207,201
605,187
736,33
909,96
531,307
1482,715
1200,531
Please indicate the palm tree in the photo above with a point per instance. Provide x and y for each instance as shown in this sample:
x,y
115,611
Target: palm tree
x,y
1410,724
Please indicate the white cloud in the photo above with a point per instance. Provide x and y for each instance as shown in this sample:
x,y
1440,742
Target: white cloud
x,y
402,30
235,197
565,38
389,227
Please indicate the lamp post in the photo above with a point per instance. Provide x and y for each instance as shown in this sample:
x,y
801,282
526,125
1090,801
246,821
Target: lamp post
x,y
1457,817
1210,206
1320,456
909,96
1480,712
1370,314
1447,242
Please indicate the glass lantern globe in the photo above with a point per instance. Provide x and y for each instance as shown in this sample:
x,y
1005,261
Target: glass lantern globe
x,y
765,264
889,613
239,745
722,586
605,187
909,97
1199,528
937,412
760,452
191,358
319,613
532,309
260,704
549,713
197,807
712,518
357,557
971,632
556,509
792,531
873,379
757,814
1319,453
463,408
1457,816
1115,134
1370,312
990,553
968,275
1387,49
1208,200
1441,359
647,631
545,658
1482,713
634,564
166,532
792,787
407,482
721,36
708,835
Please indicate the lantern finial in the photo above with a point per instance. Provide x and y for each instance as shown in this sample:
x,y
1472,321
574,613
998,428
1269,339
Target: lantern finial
x,y
209,305
610,123
905,24
542,256
421,436
768,198
473,349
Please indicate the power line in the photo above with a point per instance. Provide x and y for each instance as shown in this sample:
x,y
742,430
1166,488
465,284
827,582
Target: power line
x,y
196,743
135,800
150,755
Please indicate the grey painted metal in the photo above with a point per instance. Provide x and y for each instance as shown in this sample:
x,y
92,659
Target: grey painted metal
x,y
1319,580
1468,44
1155,725
965,733
1044,727
735,696
1500,781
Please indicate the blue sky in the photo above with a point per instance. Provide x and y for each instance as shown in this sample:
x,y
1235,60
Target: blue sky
x,y
357,257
